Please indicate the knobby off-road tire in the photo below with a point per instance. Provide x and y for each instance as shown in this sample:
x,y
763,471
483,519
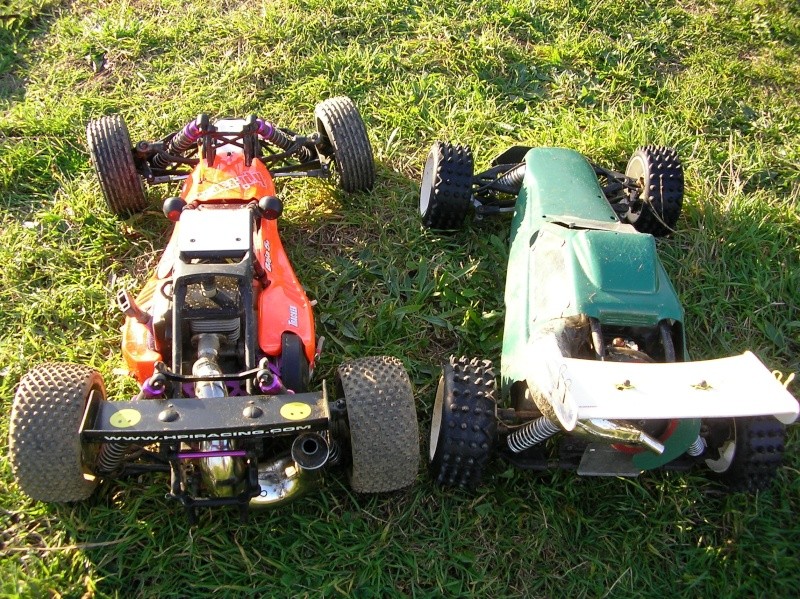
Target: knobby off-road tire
x,y
659,174
47,457
384,437
112,155
344,138
464,426
750,458
446,189
294,363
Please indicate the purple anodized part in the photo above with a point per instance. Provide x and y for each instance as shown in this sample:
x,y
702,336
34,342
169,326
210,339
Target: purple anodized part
x,y
265,128
271,386
151,391
223,453
191,131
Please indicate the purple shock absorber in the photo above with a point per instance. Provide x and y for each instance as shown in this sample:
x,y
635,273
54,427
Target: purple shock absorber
x,y
153,387
271,386
278,138
265,128
269,381
185,139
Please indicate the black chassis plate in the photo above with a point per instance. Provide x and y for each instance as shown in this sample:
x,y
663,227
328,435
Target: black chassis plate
x,y
148,420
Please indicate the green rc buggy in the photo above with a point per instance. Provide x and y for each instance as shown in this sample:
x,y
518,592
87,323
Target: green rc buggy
x,y
594,352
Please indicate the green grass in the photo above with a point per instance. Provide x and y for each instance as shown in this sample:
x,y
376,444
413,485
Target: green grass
x,y
717,79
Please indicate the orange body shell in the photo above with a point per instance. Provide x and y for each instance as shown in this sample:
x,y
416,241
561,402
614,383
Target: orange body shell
x,y
282,306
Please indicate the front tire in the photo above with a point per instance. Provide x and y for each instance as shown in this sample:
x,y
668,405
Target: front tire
x,y
344,138
659,175
446,189
464,425
384,436
112,155
48,459
751,453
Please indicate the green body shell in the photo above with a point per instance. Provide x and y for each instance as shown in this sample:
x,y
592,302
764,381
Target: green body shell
x,y
570,255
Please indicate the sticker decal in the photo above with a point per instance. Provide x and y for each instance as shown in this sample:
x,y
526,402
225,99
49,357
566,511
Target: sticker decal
x,y
125,418
267,256
243,182
296,410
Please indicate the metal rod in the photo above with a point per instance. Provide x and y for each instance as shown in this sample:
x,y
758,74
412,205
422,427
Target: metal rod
x,y
222,453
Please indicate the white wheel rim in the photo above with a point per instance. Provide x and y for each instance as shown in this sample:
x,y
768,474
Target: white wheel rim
x,y
436,422
726,455
426,188
635,170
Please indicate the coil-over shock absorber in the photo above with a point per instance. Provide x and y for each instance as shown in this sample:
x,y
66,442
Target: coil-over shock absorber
x,y
110,457
278,138
183,141
511,182
531,434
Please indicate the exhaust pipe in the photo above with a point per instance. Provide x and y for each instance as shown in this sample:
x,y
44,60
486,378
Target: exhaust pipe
x,y
617,431
222,475
283,480
290,477
310,451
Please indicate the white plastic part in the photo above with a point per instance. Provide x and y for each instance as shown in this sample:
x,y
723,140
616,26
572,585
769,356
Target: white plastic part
x,y
738,386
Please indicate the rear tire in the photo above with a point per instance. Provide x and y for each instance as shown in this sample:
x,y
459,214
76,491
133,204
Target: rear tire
x,y
659,175
751,456
344,139
47,457
446,189
384,436
464,426
112,155
294,363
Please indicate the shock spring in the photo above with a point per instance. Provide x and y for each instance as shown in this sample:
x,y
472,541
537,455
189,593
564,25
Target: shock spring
x,y
183,141
531,434
334,452
110,457
512,180
278,138
698,447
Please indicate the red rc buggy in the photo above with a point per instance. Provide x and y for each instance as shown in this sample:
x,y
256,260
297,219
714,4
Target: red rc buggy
x,y
221,338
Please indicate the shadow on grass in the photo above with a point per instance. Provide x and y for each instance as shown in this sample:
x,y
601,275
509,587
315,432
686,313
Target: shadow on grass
x,y
735,259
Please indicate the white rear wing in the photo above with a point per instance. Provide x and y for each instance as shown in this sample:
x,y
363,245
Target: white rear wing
x,y
738,386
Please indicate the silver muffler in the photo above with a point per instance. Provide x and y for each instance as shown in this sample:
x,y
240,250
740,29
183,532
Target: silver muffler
x,y
616,431
310,451
283,480
290,477
222,475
